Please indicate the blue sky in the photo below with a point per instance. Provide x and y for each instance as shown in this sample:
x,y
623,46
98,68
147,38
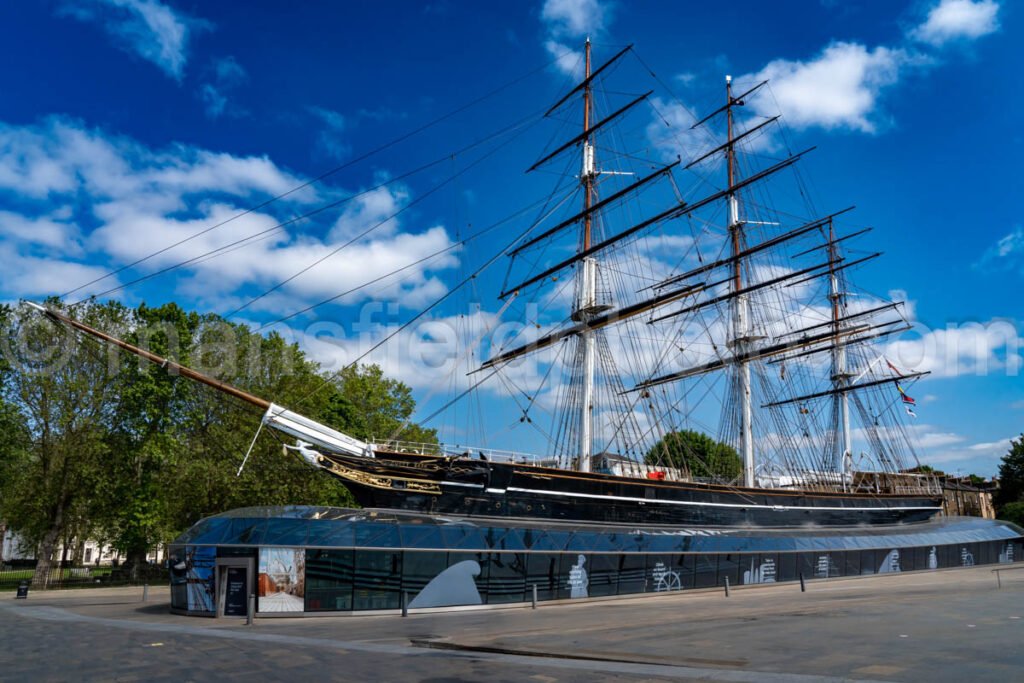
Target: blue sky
x,y
128,125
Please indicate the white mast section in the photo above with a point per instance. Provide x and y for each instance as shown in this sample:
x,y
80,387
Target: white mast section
x,y
741,309
587,289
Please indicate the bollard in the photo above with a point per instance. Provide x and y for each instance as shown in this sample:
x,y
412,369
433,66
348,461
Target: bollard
x,y
803,588
250,610
727,586
999,582
145,592
405,603
534,605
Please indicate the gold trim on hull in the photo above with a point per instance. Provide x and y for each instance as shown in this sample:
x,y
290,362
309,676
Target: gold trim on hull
x,y
379,482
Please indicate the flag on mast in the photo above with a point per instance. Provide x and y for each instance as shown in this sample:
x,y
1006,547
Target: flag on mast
x,y
906,398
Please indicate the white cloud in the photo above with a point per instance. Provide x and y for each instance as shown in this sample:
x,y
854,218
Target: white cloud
x,y
938,439
29,277
569,21
957,19
148,28
574,18
45,231
567,60
129,201
1006,253
969,349
1001,445
839,88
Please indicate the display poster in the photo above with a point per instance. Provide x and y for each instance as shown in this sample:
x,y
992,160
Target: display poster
x,y
282,582
199,572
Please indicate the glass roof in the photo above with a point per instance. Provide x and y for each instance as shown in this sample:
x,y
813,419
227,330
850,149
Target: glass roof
x,y
325,527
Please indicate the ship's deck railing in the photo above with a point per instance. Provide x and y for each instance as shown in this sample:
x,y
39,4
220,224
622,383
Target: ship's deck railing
x,y
869,482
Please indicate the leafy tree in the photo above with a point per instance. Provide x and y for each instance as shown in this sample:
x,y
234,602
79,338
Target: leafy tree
x,y
1013,512
101,443
1011,477
697,453
64,394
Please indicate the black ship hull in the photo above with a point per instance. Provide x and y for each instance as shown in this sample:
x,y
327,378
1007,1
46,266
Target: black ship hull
x,y
464,486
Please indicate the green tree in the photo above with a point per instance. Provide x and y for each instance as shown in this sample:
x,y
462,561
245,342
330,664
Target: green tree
x,y
1011,477
63,391
696,453
104,444
1012,512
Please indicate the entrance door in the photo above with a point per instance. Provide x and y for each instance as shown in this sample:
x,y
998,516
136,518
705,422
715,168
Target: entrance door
x,y
236,595
234,584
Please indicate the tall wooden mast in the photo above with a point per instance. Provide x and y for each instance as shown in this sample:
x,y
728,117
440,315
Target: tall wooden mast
x,y
587,297
741,306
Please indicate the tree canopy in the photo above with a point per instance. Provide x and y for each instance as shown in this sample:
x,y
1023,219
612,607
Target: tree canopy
x,y
1009,499
697,453
101,444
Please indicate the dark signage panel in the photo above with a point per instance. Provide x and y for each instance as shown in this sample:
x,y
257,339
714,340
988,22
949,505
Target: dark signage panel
x,y
237,592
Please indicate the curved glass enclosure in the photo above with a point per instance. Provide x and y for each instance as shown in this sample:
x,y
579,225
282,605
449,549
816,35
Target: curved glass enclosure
x,y
316,559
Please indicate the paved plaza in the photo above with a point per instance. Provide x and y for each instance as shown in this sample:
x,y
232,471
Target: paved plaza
x,y
953,625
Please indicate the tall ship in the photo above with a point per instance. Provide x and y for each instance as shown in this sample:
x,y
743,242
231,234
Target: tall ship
x,y
741,385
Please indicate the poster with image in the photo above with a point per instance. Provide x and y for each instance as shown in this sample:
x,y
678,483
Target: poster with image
x,y
282,582
199,565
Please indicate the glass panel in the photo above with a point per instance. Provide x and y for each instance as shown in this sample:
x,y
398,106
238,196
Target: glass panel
x,y
542,569
463,536
759,568
179,577
328,533
574,576
787,570
706,571
603,574
377,579
246,531
418,569
377,535
328,580
729,566
426,537
632,574
660,576
506,578
851,563
286,532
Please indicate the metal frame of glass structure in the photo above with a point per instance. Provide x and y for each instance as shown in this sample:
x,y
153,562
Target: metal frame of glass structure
x,y
316,559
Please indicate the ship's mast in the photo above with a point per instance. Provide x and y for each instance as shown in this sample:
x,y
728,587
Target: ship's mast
x,y
840,376
588,282
741,305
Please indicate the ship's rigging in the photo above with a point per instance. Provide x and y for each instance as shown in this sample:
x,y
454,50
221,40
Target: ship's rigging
x,y
686,293
754,307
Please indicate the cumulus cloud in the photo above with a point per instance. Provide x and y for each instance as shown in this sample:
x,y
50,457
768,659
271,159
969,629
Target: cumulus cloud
x,y
952,20
148,28
571,20
116,201
839,88
574,17
969,349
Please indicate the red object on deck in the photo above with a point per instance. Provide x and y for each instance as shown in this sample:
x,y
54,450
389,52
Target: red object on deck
x,y
656,475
